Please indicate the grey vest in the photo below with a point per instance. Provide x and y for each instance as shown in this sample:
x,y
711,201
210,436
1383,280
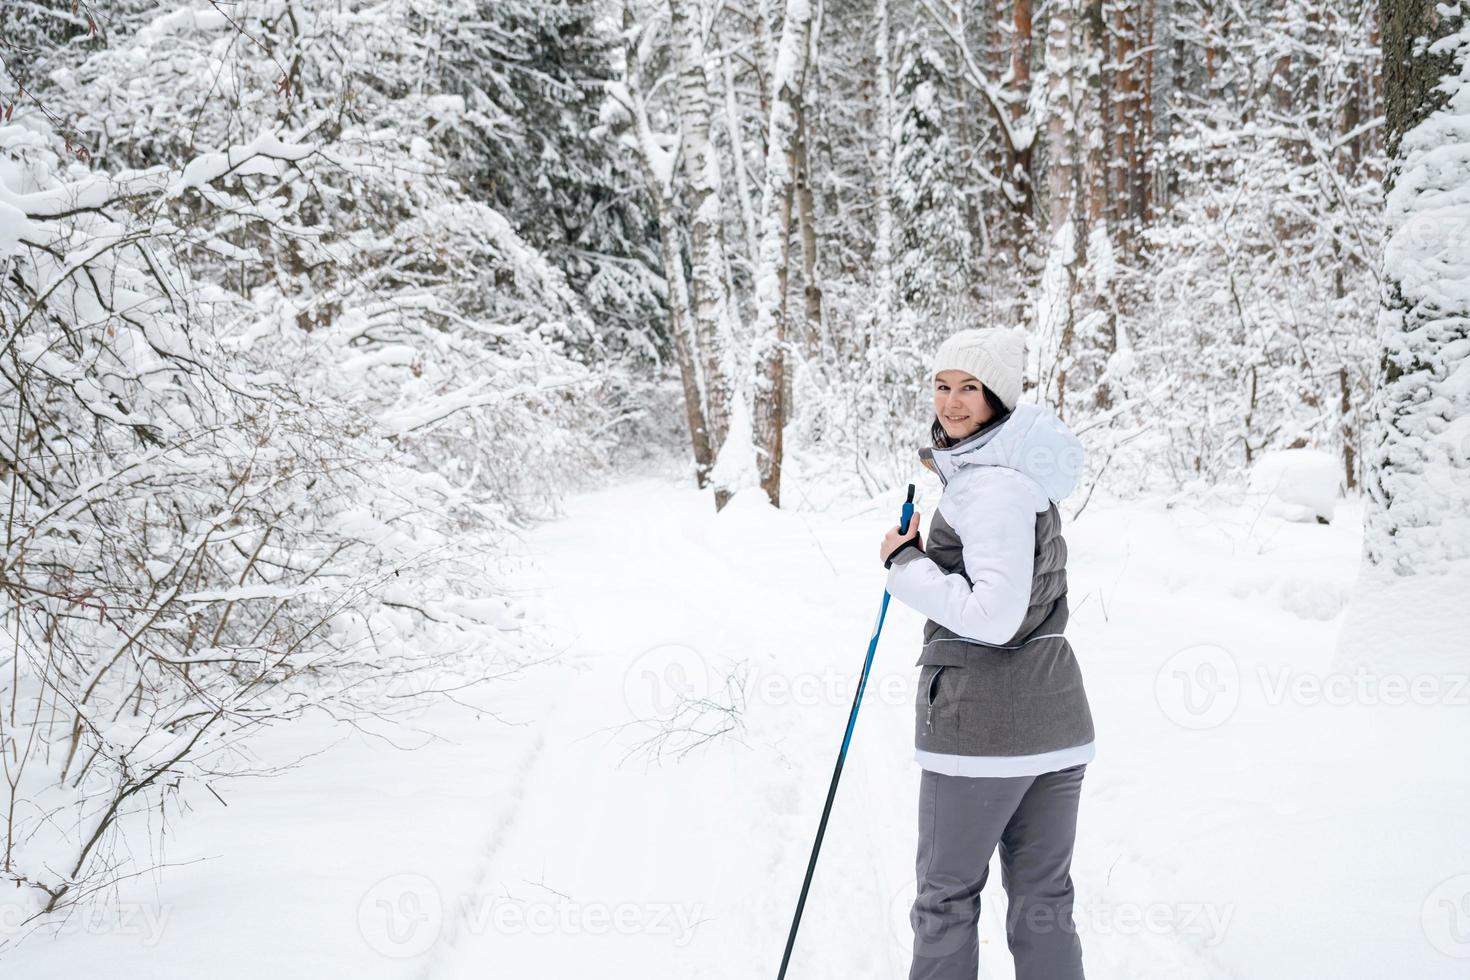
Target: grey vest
x,y
1017,698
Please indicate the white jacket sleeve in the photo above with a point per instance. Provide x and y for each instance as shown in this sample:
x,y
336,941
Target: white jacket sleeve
x,y
993,510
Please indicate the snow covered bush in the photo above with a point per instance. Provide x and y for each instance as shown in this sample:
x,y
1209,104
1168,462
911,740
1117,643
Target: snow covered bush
x,y
1296,484
199,544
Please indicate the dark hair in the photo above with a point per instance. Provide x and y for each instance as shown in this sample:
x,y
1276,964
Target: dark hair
x,y
998,413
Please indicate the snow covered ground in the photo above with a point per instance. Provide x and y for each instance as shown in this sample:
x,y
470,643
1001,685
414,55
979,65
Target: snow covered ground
x,y
1254,810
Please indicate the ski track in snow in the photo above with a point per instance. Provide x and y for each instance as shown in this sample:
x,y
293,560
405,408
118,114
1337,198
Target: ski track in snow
x,y
460,916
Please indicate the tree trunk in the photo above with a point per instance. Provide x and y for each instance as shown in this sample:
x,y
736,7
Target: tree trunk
x,y
1143,162
1418,479
1125,102
1095,229
673,266
769,414
806,213
1063,59
975,286
883,243
706,246
1020,54
1020,160
737,154
1062,89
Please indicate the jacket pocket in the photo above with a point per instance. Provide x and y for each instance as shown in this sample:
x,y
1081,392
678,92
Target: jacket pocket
x,y
929,690
958,708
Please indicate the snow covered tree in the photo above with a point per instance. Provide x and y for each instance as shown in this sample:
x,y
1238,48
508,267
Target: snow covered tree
x,y
532,77
774,259
934,245
629,117
1419,459
710,301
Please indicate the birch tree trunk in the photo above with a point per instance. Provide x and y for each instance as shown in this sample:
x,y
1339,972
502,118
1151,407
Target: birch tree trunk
x,y
1094,232
966,169
769,353
706,245
1062,56
657,174
806,212
883,245
1020,170
737,152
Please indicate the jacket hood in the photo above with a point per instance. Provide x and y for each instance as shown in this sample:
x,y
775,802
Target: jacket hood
x,y
1031,439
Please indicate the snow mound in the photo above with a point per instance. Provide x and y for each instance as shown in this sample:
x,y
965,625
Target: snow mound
x,y
1310,598
749,501
735,465
1296,484
747,520
1409,622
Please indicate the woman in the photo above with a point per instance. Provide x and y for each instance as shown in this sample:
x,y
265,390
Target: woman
x,y
1003,730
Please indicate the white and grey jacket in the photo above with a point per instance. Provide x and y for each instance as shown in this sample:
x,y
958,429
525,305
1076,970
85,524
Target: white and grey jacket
x,y
1000,692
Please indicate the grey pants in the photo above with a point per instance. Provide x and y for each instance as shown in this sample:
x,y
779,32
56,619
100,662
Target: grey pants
x,y
961,820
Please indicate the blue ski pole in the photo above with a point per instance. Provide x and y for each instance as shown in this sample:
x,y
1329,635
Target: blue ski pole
x,y
811,865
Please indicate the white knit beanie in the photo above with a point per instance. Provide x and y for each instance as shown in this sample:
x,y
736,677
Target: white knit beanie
x,y
994,355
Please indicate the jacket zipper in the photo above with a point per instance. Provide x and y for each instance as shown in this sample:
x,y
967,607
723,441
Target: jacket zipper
x,y
933,682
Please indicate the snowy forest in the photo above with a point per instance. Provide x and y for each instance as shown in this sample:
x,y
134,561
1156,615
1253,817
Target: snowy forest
x,y
414,371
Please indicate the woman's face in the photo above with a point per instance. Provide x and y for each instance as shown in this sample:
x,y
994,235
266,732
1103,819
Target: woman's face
x,y
959,402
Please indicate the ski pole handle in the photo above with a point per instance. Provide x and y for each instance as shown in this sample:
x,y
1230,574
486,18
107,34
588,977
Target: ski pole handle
x,y
908,512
